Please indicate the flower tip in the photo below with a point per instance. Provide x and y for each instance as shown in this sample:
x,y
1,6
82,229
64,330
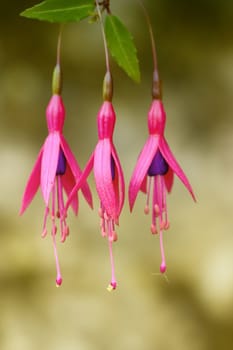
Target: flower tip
x,y
193,196
163,267
112,286
58,282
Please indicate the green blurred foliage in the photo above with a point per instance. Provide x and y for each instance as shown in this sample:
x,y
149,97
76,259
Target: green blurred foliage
x,y
193,310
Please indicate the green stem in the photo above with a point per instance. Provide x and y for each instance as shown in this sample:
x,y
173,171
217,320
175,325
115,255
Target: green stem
x,y
57,73
156,87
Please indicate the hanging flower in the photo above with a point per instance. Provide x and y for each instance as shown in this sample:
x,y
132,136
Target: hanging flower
x,y
154,172
108,177
56,171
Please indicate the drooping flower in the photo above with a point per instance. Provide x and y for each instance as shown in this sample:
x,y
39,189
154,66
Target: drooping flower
x,y
154,173
108,177
55,171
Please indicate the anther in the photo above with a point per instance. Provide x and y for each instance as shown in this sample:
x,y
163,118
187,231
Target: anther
x,y
103,233
156,209
166,225
153,229
115,237
162,225
146,210
44,233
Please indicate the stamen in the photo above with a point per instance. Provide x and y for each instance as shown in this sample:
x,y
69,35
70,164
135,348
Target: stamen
x,y
164,200
154,206
44,232
147,208
60,203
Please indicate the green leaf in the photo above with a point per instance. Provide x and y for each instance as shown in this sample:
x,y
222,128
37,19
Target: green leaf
x,y
121,46
61,11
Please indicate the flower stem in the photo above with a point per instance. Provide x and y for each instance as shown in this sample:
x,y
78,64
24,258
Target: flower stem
x,y
104,36
57,73
156,85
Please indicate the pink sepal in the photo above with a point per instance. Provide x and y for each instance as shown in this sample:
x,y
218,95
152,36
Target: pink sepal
x,y
81,181
167,154
32,185
119,183
68,182
74,166
103,177
49,164
144,160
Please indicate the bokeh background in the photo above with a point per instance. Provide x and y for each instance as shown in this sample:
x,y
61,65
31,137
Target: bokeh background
x,y
192,307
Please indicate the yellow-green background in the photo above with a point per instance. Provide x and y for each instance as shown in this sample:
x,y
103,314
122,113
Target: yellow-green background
x,y
192,310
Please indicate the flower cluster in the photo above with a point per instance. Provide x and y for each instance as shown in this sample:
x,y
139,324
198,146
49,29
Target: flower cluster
x,y
57,172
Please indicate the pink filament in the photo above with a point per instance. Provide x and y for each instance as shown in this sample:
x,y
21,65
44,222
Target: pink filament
x,y
61,210
44,232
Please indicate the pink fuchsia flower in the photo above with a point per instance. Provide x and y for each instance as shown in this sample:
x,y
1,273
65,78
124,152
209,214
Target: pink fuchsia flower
x,y
154,172
56,171
108,177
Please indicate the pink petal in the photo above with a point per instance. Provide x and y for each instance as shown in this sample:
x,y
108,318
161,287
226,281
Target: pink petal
x,y
119,182
144,160
68,182
76,170
143,187
103,177
81,181
49,164
167,154
33,184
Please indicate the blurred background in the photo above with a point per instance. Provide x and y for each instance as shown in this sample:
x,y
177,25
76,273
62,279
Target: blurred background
x,y
192,307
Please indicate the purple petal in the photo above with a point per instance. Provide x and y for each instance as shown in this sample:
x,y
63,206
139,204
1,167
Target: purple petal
x,y
103,177
167,154
32,185
76,170
49,164
158,165
144,161
61,165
